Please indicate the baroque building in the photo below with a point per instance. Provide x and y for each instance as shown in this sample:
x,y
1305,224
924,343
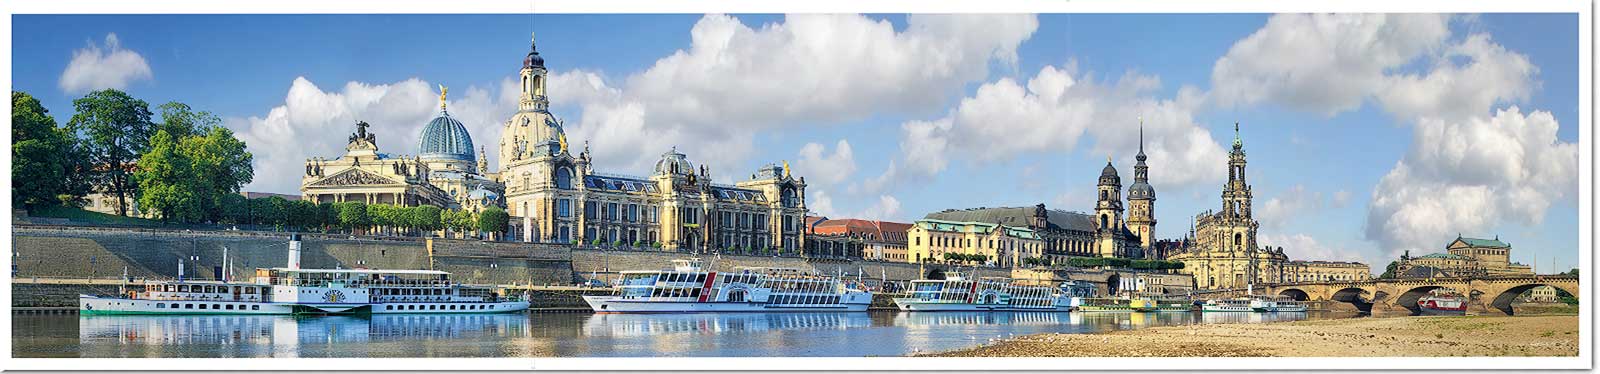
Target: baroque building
x,y
363,174
1142,202
1224,251
554,195
1005,246
443,174
1464,257
1326,271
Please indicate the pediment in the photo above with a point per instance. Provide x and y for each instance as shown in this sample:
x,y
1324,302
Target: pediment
x,y
354,177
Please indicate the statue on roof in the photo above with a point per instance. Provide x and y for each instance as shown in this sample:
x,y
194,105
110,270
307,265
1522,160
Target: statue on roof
x,y
443,91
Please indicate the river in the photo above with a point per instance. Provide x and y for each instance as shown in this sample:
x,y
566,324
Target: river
x,y
567,334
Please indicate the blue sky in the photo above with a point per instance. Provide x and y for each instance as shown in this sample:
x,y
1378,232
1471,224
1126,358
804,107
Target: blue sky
x,y
1367,135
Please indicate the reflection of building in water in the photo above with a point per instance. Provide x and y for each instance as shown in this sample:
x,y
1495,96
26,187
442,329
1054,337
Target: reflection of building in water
x,y
981,318
653,324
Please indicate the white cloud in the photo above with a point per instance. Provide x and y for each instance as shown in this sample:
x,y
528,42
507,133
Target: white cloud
x,y
820,203
1341,199
1293,203
1467,176
317,123
820,167
1455,92
887,208
1305,247
93,67
810,69
1051,111
1323,63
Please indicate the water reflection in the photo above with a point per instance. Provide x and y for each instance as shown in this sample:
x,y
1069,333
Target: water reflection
x,y
567,335
654,324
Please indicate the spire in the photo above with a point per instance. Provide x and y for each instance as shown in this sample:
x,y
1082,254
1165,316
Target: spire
x,y
1237,143
1141,156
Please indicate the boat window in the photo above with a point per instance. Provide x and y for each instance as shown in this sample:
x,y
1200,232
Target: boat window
x,y
229,307
188,306
161,305
255,307
183,288
202,306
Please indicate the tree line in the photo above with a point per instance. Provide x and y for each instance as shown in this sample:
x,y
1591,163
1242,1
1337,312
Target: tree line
x,y
184,168
181,168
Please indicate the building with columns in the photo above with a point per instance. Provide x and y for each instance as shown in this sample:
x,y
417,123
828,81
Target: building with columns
x,y
444,173
1224,251
363,174
554,195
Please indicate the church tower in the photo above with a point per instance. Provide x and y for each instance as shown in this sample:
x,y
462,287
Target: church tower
x,y
1236,198
1108,212
539,173
1142,200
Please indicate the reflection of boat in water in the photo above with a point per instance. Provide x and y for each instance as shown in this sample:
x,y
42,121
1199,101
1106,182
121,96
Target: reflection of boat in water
x,y
984,318
266,330
956,293
1442,302
1258,304
687,288
292,290
601,324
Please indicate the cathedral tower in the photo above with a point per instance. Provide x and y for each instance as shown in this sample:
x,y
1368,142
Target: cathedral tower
x,y
1108,212
1236,198
1142,200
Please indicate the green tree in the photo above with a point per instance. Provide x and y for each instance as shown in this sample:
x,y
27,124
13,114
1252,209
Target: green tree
x,y
118,130
43,157
220,166
182,121
1389,271
427,218
163,178
235,209
352,215
493,220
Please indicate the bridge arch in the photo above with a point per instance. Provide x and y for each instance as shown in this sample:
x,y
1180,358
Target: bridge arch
x,y
1408,298
1505,298
1295,293
1354,296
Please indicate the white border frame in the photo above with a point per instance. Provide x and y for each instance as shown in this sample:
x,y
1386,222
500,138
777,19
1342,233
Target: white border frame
x,y
1585,198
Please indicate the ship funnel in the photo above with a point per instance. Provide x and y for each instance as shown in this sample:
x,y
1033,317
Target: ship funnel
x,y
294,251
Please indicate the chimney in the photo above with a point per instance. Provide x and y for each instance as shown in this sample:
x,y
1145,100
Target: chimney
x,y
294,251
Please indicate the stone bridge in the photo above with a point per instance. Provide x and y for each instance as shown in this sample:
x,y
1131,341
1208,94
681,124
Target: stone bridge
x,y
1487,295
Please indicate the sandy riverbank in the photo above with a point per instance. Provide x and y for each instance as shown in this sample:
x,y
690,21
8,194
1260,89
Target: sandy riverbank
x,y
1403,336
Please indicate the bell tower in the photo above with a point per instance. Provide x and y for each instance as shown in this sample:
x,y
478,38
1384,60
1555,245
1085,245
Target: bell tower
x,y
533,79
1142,200
1108,212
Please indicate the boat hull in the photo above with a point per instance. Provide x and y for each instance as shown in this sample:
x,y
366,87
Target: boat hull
x,y
617,305
1225,308
94,305
915,305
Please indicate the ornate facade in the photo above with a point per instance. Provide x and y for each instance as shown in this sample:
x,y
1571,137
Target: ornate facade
x,y
443,173
554,195
363,174
1006,246
1225,253
1326,271
1142,202
1465,257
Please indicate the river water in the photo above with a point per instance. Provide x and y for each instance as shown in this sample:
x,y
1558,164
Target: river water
x,y
568,334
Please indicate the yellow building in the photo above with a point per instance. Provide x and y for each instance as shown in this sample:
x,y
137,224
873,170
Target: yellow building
x,y
1326,271
554,195
929,240
1224,252
363,174
1465,257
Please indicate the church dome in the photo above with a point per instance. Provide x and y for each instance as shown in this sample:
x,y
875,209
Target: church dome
x,y
1141,190
445,138
673,162
1108,175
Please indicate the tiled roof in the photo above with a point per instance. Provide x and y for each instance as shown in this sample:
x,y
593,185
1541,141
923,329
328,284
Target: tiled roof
x,y
975,227
880,230
1018,216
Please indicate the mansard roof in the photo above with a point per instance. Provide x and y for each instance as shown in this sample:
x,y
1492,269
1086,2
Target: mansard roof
x,y
1483,243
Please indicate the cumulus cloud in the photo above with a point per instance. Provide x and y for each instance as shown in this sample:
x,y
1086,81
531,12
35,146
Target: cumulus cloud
x,y
1293,203
99,67
1323,63
810,69
1453,91
819,167
1051,111
1306,247
1466,176
313,122
887,208
1341,199
820,203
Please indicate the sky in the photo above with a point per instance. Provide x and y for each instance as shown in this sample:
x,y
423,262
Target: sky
x,y
1368,135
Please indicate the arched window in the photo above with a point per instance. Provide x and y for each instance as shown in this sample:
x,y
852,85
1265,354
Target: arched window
x,y
1238,239
1103,222
563,178
1102,194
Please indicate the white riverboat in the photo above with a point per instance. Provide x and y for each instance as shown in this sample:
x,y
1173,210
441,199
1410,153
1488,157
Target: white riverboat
x,y
292,290
1238,304
1258,304
955,293
689,288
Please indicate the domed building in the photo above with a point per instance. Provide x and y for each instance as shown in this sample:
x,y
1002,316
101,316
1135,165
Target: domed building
x,y
1142,202
446,147
554,196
